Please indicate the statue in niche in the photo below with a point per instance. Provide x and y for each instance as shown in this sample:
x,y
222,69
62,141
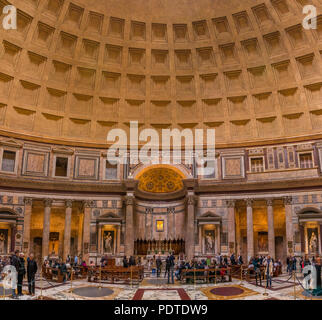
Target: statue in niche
x,y
108,241
313,242
210,241
2,243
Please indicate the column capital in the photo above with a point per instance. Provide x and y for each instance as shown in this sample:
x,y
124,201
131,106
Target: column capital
x,y
191,200
68,203
129,200
48,202
230,203
28,201
269,202
287,200
249,202
89,204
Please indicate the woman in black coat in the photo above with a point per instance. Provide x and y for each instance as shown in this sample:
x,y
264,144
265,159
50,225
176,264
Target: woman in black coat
x,y
31,272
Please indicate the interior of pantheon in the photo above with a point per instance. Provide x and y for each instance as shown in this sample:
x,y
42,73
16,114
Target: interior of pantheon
x,y
74,70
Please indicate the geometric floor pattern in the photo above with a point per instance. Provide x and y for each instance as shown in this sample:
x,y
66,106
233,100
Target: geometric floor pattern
x,y
157,289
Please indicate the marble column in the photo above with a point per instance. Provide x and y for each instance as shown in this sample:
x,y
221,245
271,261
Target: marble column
x,y
270,226
67,229
289,224
231,226
129,232
189,241
46,228
26,226
118,240
88,205
250,229
218,239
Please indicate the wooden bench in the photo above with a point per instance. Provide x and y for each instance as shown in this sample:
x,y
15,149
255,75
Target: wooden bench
x,y
52,274
207,275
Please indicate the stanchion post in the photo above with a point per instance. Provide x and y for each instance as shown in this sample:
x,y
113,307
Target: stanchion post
x,y
241,274
131,277
294,275
41,285
100,283
215,275
194,276
71,279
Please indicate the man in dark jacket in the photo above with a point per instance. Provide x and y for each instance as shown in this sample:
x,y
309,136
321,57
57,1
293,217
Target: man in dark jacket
x,y
125,263
21,273
14,261
31,272
159,265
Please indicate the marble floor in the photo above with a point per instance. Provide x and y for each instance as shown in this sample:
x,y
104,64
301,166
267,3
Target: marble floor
x,y
157,289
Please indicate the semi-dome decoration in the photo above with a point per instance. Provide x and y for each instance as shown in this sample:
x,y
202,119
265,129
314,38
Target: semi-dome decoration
x,y
160,180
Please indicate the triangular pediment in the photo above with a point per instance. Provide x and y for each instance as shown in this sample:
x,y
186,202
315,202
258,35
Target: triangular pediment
x,y
11,143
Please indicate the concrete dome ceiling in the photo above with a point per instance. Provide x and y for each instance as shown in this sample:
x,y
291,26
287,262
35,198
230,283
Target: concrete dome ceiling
x,y
76,69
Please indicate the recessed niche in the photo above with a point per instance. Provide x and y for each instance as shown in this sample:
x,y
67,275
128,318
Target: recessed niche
x,y
314,94
23,24
136,84
3,109
263,103
294,124
74,15
110,82
209,84
274,44
53,8
102,129
21,119
137,57
228,54
185,85
267,127
34,65
55,100
283,72
160,85
160,59
206,57
90,50
113,54
183,59
221,27
308,66
133,110
78,128
262,16
297,37
241,129
5,85
289,99
159,32
180,33
161,111
60,72
81,104
85,78
138,31
44,35
318,31
238,106
200,30
48,122
234,80
251,49
316,119
186,111
66,44
116,28
27,93
212,109
282,9
10,54
242,22
94,22
108,108
258,77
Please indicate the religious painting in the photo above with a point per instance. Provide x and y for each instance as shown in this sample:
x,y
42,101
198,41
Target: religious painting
x,y
3,241
160,225
210,241
312,237
108,241
262,242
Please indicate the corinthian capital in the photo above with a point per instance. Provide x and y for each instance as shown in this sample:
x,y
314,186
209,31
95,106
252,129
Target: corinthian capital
x,y
89,204
249,202
129,200
48,202
269,202
287,200
28,201
230,203
69,203
191,200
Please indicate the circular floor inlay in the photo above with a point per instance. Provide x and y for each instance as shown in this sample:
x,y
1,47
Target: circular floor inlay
x,y
227,291
93,292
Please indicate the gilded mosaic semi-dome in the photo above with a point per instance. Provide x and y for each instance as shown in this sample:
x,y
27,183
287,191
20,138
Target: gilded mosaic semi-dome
x,y
74,70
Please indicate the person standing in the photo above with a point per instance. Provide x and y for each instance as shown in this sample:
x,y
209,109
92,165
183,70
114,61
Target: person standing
x,y
171,268
31,272
21,273
159,265
75,260
269,268
257,271
125,263
14,261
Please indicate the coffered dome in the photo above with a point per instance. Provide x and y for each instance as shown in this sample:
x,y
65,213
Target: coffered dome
x,y
73,70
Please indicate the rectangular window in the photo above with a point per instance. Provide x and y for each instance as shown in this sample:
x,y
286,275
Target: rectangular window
x,y
110,171
61,167
257,165
8,161
306,160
